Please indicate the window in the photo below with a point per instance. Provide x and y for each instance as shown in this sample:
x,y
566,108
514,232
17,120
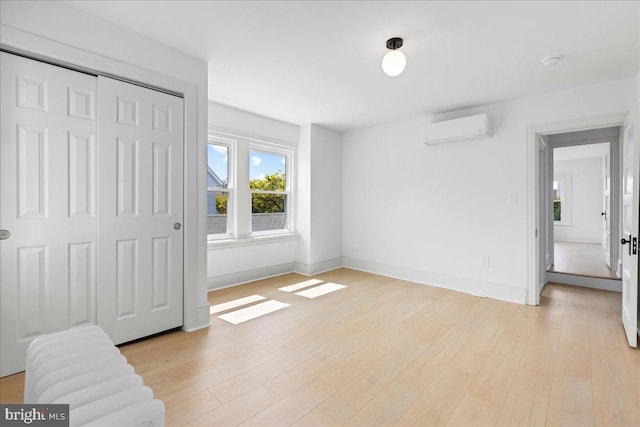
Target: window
x,y
561,195
249,188
557,201
219,194
269,192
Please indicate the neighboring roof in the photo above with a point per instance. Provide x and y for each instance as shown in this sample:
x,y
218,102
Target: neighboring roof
x,y
217,223
213,180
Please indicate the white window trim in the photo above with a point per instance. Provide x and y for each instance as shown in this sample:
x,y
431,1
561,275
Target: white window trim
x,y
289,211
564,184
230,190
239,225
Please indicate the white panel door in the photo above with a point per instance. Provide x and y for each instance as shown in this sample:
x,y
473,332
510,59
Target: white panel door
x,y
140,210
47,203
630,220
606,209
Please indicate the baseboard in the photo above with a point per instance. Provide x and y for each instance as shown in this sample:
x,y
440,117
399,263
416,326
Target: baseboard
x,y
203,319
470,286
318,267
614,285
241,277
579,241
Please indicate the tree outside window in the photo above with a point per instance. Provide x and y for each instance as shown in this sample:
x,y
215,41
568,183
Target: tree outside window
x,y
269,192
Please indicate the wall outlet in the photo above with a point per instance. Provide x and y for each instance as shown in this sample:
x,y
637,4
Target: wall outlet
x,y
484,261
512,199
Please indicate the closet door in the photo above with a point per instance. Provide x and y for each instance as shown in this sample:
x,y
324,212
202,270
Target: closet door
x,y
140,210
47,203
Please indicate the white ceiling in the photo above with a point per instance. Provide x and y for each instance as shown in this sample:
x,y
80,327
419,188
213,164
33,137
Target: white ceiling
x,y
319,61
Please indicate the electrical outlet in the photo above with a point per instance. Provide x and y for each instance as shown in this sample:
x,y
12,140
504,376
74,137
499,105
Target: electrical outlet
x,y
512,199
484,261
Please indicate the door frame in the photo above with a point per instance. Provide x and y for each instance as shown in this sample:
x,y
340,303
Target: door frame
x,y
534,219
195,305
615,154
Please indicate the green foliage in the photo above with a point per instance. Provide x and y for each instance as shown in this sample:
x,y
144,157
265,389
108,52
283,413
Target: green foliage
x,y
274,182
221,203
269,203
557,211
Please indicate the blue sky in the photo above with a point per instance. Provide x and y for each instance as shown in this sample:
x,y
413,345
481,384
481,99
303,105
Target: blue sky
x,y
260,163
217,156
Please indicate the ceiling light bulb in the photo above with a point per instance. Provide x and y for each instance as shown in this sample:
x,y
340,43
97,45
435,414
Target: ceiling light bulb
x,y
393,63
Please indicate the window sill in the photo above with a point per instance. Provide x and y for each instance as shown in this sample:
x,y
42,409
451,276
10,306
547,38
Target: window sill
x,y
562,224
251,240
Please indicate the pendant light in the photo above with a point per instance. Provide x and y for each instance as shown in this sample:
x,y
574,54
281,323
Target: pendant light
x,y
394,61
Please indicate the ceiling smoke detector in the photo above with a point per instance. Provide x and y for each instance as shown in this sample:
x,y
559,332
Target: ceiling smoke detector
x,y
551,60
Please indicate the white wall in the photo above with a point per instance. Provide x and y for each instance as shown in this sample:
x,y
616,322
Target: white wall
x,y
431,213
586,201
326,192
65,34
250,124
231,263
319,195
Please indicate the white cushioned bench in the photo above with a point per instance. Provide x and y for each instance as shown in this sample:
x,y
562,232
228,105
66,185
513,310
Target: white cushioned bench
x,y
82,368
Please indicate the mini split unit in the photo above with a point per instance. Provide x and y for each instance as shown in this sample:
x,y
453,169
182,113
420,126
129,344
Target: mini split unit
x,y
464,128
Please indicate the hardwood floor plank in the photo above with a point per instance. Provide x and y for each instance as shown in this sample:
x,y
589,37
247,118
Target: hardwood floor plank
x,y
388,406
12,388
440,399
296,405
474,411
355,393
315,418
494,379
527,400
238,410
570,403
191,408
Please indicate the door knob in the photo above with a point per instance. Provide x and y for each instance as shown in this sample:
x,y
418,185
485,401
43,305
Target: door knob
x,y
177,226
4,234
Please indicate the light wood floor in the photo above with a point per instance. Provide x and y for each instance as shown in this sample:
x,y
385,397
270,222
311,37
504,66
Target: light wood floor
x,y
385,352
584,259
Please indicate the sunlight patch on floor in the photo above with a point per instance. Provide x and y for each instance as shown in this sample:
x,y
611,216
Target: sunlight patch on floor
x,y
320,290
301,285
235,303
252,312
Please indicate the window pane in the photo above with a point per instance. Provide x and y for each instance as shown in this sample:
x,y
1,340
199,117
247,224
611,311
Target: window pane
x,y
217,202
218,166
267,171
556,190
557,211
268,212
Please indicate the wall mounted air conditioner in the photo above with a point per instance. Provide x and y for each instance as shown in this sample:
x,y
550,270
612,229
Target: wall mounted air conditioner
x,y
472,127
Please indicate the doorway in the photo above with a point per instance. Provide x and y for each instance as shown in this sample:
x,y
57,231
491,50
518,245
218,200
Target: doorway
x,y
579,199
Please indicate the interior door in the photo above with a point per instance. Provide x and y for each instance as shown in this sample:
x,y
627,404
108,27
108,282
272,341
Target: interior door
x,y
630,219
606,208
47,203
140,208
